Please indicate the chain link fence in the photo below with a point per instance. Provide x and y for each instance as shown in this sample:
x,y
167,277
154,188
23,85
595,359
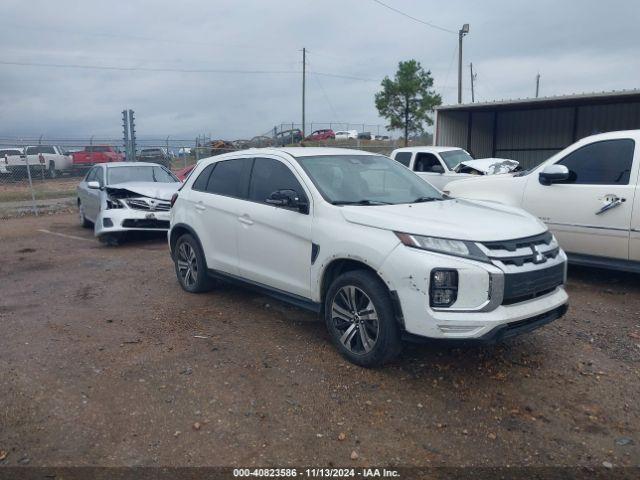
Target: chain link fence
x,y
39,176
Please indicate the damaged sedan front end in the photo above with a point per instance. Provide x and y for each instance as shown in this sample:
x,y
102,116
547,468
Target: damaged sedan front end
x,y
135,207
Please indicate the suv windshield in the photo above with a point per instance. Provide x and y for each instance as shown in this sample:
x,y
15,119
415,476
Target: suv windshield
x,y
140,174
366,180
453,158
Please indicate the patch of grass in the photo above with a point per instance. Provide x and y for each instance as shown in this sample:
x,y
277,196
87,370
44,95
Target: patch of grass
x,y
17,196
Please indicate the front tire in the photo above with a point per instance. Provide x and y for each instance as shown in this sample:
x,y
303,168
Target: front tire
x,y
83,219
190,265
360,318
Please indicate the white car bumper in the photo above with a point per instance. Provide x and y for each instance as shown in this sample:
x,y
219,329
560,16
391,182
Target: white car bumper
x,y
474,315
128,219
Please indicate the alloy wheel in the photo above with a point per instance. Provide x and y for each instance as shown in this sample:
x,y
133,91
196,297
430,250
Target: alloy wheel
x,y
355,319
187,265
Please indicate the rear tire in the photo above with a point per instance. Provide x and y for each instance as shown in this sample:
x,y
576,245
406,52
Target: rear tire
x,y
53,173
190,265
360,318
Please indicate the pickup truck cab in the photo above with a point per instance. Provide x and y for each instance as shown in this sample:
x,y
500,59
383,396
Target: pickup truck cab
x,y
441,165
377,252
95,154
50,160
586,194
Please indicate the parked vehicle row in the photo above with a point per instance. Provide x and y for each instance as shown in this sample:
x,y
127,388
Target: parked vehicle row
x,y
378,252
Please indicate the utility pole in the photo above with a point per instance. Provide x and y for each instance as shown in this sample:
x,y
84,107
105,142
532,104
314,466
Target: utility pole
x,y
125,135
473,77
304,75
537,85
461,33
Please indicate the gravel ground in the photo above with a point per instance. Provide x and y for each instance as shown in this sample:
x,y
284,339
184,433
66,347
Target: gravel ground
x,y
104,360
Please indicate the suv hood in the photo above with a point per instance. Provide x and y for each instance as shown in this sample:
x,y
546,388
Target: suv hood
x,y
157,190
456,219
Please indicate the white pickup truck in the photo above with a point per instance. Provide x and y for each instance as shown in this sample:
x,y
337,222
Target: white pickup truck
x,y
586,194
441,165
48,159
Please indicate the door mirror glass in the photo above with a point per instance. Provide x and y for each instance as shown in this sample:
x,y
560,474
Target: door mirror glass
x,y
288,199
437,169
553,174
93,185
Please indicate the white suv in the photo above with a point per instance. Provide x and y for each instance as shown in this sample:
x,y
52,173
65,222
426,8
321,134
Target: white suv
x,y
366,243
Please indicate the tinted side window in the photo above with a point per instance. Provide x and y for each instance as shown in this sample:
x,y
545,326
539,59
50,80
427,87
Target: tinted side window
x,y
47,150
269,175
32,150
226,178
404,158
425,162
601,163
201,182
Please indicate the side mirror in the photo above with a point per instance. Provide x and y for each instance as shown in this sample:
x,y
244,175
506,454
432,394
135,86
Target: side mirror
x,y
93,185
437,169
288,199
553,174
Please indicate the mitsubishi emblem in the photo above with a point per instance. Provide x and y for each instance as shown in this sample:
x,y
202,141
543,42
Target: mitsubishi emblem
x,y
538,257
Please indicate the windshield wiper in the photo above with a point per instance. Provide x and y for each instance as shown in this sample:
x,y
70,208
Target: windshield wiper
x,y
360,202
426,199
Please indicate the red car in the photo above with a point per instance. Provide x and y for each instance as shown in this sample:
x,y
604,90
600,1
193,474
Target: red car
x,y
325,134
183,173
95,154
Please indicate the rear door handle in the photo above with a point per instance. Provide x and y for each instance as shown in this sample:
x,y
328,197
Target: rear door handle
x,y
245,219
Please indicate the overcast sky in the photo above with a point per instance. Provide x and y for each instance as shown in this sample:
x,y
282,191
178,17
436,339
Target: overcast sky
x,y
576,45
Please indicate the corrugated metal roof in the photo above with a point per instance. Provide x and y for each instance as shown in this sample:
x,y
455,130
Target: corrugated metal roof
x,y
615,95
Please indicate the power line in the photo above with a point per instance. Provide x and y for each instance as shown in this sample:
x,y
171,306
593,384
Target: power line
x,y
429,24
178,70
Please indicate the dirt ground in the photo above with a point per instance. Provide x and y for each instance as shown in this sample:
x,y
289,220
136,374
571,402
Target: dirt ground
x,y
104,360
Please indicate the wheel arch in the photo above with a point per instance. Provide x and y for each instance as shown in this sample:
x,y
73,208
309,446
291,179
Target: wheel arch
x,y
177,231
338,266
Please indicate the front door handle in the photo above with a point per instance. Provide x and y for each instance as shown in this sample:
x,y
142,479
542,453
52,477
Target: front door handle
x,y
245,219
613,201
200,206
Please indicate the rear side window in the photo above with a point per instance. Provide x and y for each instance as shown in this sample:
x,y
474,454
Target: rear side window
x,y
201,182
47,150
601,163
403,157
226,178
269,175
32,150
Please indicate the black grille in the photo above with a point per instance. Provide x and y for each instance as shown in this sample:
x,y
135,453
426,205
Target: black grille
x,y
146,223
519,287
513,245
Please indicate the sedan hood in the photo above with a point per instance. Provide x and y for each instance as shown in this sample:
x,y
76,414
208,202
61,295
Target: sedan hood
x,y
455,219
490,166
157,190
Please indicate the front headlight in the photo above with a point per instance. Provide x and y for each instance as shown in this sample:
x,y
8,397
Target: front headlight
x,y
457,248
114,203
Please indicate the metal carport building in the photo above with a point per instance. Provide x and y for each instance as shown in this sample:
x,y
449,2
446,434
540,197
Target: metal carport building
x,y
531,130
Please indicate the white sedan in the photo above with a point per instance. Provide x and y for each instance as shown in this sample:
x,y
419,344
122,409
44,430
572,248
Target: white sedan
x,y
118,197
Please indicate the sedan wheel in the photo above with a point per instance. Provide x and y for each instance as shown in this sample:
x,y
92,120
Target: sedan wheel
x,y
355,318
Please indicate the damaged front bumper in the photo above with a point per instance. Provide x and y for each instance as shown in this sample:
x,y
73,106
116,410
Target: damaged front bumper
x,y
132,214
